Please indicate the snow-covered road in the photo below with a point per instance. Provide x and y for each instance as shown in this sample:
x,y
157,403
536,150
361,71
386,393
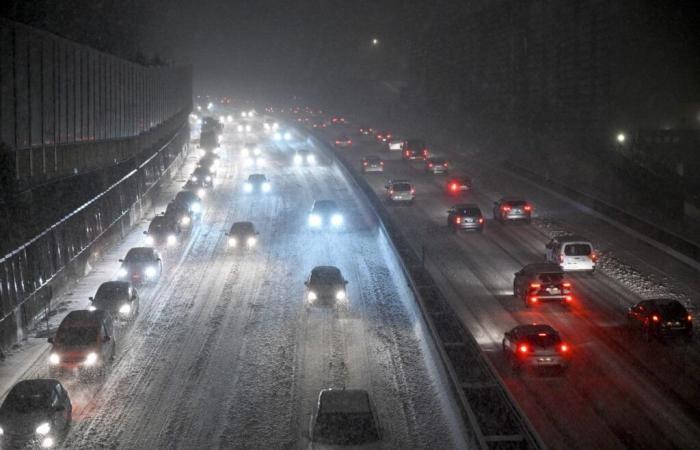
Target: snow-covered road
x,y
226,353
619,391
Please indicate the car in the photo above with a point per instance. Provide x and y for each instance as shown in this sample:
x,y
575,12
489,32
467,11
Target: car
x,y
660,318
395,144
119,298
209,162
36,413
213,124
191,201
242,234
304,157
535,346
257,182
325,214
415,149
178,213
465,216
244,128
325,283
140,265
345,417
338,120
202,177
162,232
572,253
209,140
542,282
383,136
435,165
509,208
83,344
367,131
458,185
343,141
250,149
270,125
372,163
400,191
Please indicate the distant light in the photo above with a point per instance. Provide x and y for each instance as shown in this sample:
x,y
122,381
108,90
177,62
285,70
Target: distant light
x,y
210,106
621,138
375,41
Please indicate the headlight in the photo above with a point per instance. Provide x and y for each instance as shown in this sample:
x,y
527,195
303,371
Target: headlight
x,y
150,272
208,178
340,295
297,159
275,126
248,128
251,241
239,128
47,442
92,308
245,153
277,137
248,187
212,169
125,309
149,240
266,187
287,136
194,179
336,220
54,358
266,126
2,431
312,296
244,114
311,159
45,427
259,161
122,273
171,240
196,207
90,359
257,151
201,193
185,220
232,242
315,220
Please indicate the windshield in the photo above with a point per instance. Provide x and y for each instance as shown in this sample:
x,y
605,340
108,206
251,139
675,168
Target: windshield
x,y
469,211
326,277
111,291
242,228
543,340
78,335
257,178
401,187
345,428
551,277
577,250
672,310
139,255
157,226
415,145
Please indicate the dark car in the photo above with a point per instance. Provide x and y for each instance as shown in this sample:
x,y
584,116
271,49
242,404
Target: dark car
x,y
661,318
35,414
325,283
257,182
141,265
415,149
458,185
343,141
345,417
83,344
178,213
465,216
372,163
202,177
162,232
367,131
325,213
436,165
512,209
209,139
536,345
242,234
209,162
191,201
210,123
383,136
304,157
338,120
542,282
119,298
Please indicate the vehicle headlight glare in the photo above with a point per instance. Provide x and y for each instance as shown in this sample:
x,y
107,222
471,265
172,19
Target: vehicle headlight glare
x,y
122,273
54,358
196,207
208,178
277,137
251,241
194,179
297,159
311,159
201,193
150,272
312,296
336,220
149,240
125,309
315,220
248,128
248,187
287,136
47,442
232,242
171,240
239,128
266,187
340,295
44,428
185,220
92,308
90,359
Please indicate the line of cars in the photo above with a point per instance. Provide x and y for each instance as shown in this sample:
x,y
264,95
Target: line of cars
x,y
537,345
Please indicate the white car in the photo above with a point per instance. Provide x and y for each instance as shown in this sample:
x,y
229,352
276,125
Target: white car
x,y
395,144
572,253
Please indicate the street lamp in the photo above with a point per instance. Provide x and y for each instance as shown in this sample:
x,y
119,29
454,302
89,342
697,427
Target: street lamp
x,y
621,138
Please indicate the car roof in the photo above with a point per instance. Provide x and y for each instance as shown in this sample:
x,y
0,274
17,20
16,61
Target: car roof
x,y
141,251
256,176
324,203
344,401
543,268
512,199
159,219
183,194
567,239
84,315
530,329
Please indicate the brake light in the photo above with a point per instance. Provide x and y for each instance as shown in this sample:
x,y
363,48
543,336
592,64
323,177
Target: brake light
x,y
445,164
413,190
569,298
365,163
391,191
594,257
690,318
528,208
566,284
535,285
454,186
381,163
523,348
655,318
458,220
505,208
481,220
533,299
561,259
563,348
430,165
542,334
407,152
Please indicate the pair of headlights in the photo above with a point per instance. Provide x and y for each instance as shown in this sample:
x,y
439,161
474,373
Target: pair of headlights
x,y
339,295
315,220
250,241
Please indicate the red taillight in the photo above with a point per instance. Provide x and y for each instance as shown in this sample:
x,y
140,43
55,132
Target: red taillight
x,y
413,190
407,153
365,163
533,299
528,208
535,285
569,298
349,141
594,257
655,318
566,284
391,192
690,318
430,165
563,348
381,163
454,186
561,259
523,348
505,208
458,220
481,220
445,164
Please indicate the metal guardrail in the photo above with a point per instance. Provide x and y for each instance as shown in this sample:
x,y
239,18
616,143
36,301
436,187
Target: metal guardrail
x,y
492,415
28,272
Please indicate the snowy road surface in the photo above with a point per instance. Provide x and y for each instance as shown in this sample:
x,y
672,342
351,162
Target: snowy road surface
x,y
225,351
619,391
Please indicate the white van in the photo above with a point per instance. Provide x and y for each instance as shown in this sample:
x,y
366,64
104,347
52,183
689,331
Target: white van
x,y
571,253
